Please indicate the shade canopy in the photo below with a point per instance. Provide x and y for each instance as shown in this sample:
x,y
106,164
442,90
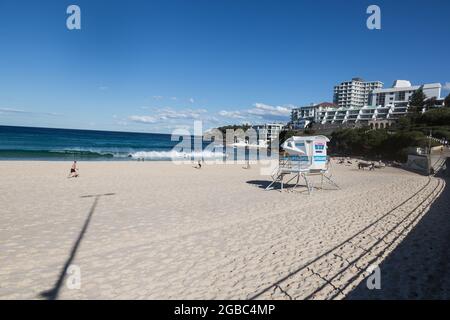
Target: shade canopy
x,y
297,145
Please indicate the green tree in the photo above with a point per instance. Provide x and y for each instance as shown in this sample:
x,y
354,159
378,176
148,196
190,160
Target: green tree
x,y
417,100
244,127
430,103
447,101
404,123
375,143
435,117
286,134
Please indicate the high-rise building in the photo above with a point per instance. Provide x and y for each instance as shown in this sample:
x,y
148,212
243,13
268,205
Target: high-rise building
x,y
355,93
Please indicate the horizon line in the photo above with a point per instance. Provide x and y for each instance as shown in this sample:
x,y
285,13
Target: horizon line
x,y
98,130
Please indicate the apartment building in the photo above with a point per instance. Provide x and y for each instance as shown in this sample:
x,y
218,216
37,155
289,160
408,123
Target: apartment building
x,y
374,104
301,117
355,93
401,92
269,130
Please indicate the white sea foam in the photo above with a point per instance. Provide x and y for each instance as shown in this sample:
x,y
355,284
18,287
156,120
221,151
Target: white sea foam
x,y
176,155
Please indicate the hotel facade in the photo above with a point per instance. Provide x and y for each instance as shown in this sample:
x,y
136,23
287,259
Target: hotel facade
x,y
383,107
401,91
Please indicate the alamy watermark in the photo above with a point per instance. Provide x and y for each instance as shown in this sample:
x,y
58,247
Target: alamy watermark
x,y
373,281
73,22
374,20
73,281
238,146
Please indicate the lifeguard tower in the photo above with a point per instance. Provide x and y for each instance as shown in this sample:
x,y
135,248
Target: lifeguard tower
x,y
307,156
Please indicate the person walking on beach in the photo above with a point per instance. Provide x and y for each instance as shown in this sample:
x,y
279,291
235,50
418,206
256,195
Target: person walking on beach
x,y
74,171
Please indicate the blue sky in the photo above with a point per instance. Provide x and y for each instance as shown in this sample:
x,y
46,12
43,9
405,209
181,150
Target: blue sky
x,y
156,65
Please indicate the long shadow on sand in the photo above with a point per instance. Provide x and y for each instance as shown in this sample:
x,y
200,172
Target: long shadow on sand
x,y
263,184
301,187
419,268
53,293
260,183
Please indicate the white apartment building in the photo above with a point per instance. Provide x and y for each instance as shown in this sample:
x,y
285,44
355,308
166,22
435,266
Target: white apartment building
x,y
401,92
269,131
386,106
301,117
355,93
359,115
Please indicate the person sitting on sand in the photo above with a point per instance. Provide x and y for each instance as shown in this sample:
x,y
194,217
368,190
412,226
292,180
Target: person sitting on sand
x,y
198,165
74,171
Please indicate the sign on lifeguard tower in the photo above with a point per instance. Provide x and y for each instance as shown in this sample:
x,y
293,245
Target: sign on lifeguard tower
x,y
310,151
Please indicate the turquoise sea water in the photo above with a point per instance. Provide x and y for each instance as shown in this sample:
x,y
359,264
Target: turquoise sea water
x,y
27,143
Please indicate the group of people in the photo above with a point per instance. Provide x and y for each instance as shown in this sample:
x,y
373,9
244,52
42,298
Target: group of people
x,y
74,169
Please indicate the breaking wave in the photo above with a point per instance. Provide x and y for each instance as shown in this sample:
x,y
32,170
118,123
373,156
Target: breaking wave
x,y
176,155
72,154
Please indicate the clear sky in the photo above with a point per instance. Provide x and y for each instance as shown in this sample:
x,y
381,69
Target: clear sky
x,y
154,65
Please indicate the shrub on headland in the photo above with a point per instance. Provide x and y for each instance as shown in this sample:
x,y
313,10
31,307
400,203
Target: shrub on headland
x,y
435,117
442,133
376,143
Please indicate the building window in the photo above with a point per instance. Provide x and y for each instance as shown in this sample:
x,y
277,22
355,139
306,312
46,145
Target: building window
x,y
381,99
400,96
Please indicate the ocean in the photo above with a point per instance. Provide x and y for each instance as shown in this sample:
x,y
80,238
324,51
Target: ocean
x,y
27,143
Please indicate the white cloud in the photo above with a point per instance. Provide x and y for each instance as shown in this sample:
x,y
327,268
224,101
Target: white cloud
x,y
11,110
158,97
171,115
446,86
262,109
173,98
231,114
259,112
168,117
121,123
142,119
191,100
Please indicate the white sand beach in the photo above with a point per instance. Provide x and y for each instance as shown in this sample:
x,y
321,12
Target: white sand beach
x,y
164,231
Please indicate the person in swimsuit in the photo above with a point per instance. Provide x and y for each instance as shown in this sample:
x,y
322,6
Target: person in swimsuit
x,y
73,170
